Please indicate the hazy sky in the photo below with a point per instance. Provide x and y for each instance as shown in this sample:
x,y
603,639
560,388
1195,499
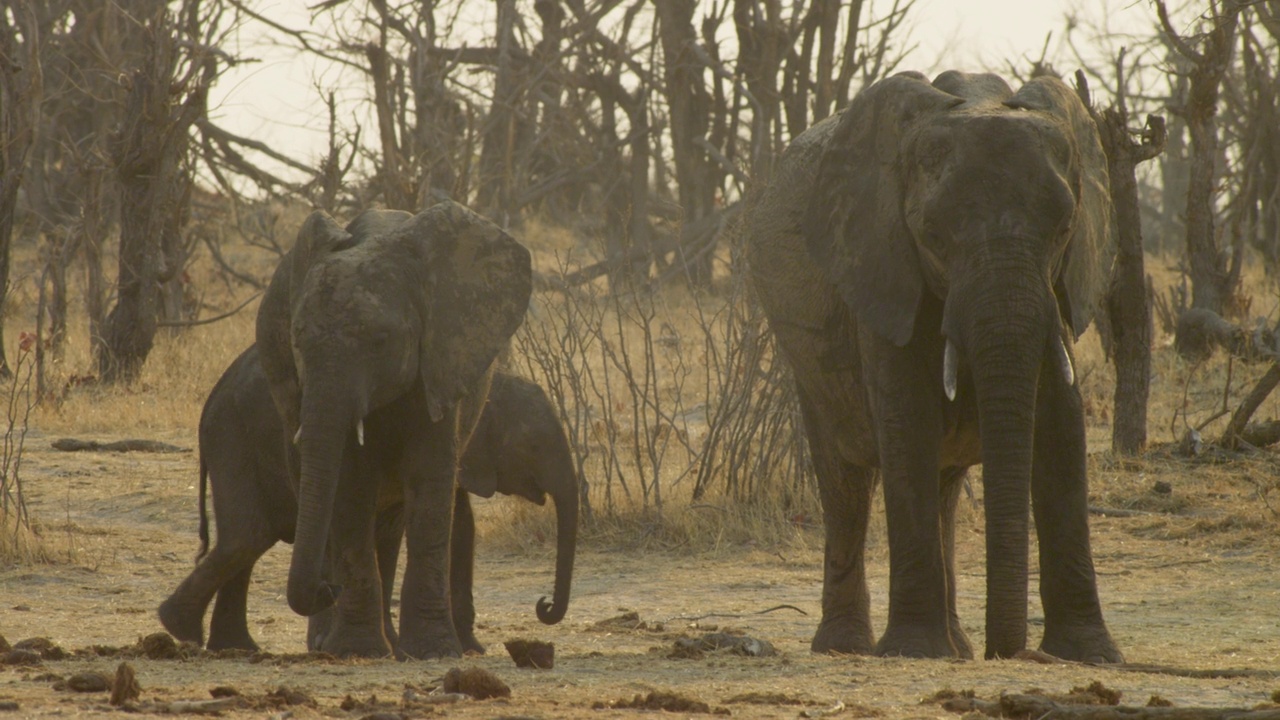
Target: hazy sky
x,y
276,101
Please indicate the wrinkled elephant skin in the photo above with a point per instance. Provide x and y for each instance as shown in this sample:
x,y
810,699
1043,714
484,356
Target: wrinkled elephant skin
x,y
927,257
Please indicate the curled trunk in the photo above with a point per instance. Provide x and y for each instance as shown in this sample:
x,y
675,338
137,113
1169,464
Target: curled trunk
x,y
566,500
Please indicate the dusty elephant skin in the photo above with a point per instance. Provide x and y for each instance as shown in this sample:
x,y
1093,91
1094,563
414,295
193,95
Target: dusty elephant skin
x,y
378,342
518,448
927,259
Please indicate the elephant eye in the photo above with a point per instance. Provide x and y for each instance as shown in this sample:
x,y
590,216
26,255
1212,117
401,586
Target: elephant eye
x,y
934,152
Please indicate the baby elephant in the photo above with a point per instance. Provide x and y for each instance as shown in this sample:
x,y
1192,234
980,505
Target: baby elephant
x,y
518,448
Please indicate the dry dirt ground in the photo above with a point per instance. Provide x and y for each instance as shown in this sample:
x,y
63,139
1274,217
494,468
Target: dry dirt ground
x,y
1190,582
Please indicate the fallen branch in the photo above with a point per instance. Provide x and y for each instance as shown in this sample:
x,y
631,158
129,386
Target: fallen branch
x,y
151,446
696,618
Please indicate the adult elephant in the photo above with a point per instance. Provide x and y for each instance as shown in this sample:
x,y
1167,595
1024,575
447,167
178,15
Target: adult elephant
x,y
518,448
378,343
927,258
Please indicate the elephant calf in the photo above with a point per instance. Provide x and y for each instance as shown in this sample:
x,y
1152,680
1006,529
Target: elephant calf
x,y
518,448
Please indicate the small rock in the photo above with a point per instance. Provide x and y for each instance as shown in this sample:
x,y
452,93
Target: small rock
x,y
1162,488
20,657
8,706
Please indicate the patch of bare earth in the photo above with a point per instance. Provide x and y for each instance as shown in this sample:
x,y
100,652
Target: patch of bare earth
x,y
1190,578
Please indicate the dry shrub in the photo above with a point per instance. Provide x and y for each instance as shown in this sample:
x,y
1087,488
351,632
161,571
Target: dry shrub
x,y
682,417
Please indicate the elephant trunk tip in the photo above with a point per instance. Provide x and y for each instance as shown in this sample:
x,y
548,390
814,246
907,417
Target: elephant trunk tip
x,y
309,603
551,613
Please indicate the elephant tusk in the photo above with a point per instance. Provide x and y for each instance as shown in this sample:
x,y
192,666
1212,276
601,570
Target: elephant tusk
x,y
360,432
1064,363
297,437
949,363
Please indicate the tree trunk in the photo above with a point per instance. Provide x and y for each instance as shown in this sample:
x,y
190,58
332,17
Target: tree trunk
x,y
689,106
149,151
21,88
1128,304
1212,281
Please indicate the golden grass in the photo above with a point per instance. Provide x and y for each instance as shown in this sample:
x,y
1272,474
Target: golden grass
x,y
166,402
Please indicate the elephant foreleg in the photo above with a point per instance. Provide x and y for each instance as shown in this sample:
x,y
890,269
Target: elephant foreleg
x,y
1073,624
845,491
909,427
430,478
462,572
356,628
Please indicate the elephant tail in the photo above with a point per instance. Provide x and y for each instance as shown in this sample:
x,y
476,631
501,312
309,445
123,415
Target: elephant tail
x,y
204,513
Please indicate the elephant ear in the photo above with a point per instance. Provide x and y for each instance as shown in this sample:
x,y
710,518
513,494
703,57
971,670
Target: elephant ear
x,y
318,234
854,226
1091,247
478,286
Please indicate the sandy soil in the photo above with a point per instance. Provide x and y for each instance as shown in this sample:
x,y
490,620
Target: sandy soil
x,y
1195,588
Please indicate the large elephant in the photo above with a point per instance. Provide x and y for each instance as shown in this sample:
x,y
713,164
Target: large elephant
x,y
378,342
927,258
518,448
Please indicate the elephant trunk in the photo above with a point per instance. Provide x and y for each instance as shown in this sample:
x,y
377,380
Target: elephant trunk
x,y
566,501
324,429
1006,330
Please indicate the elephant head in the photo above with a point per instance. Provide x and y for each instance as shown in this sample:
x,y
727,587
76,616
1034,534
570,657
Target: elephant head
x,y
996,204
519,448
393,308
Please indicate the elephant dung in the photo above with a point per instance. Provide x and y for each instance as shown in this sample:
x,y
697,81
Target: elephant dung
x,y
532,653
87,682
476,682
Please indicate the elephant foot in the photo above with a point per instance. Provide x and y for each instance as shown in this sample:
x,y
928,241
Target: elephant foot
x,y
1088,644
184,622
470,644
346,643
428,648
842,635
244,642
964,649
921,641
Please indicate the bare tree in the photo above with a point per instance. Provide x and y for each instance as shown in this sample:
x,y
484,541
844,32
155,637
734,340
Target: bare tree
x,y
167,95
1128,306
1214,272
21,87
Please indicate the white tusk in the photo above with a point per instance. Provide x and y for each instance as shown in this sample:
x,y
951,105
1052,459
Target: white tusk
x,y
949,363
297,437
360,432
1064,362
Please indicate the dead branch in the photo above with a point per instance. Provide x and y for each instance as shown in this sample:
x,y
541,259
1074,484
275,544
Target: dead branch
x,y
1038,706
1199,331
131,445
208,321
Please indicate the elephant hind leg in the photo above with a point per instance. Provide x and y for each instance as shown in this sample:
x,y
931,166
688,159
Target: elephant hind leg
x,y
229,626
845,491
952,481
182,614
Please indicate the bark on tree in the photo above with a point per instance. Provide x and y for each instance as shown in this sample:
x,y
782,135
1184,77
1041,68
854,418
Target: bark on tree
x,y
1214,273
1128,304
149,152
689,106
21,88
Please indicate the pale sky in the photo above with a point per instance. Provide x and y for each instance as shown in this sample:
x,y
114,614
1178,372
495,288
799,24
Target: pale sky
x,y
276,101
